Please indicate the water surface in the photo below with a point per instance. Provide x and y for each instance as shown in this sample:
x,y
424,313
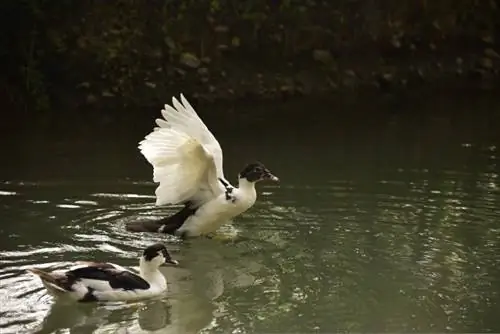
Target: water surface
x,y
385,221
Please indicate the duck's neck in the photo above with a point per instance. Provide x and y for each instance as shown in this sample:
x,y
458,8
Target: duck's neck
x,y
151,273
246,190
246,185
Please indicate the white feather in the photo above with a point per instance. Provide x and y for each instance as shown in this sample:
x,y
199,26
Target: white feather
x,y
186,157
96,284
184,119
219,210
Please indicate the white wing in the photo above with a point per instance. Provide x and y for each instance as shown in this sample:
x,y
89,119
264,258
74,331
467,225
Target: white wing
x,y
185,170
183,118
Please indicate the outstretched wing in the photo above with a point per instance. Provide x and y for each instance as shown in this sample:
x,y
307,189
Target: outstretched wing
x,y
182,165
182,117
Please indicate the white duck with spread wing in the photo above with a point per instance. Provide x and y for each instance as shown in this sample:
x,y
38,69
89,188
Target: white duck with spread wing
x,y
187,164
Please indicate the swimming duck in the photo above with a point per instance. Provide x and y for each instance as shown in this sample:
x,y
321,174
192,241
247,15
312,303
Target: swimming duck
x,y
187,164
93,281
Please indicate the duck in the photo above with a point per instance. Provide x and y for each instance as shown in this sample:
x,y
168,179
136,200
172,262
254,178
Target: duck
x,y
187,163
88,281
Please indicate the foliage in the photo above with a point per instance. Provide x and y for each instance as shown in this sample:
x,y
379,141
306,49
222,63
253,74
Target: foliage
x,y
94,50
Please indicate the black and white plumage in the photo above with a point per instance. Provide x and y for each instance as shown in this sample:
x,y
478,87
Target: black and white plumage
x,y
94,281
187,164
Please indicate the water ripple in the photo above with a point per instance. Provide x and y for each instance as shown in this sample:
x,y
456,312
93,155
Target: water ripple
x,y
426,241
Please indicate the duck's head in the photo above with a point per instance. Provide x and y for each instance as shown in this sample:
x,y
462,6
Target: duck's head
x,y
255,172
157,255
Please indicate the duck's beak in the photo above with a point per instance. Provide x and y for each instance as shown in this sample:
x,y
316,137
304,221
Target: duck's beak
x,y
269,176
171,262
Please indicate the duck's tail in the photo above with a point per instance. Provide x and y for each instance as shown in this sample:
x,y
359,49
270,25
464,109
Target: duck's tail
x,y
53,282
168,225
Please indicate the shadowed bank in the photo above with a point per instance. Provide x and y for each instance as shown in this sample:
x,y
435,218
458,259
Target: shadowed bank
x,y
66,57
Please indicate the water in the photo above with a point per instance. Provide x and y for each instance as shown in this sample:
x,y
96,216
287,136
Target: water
x,y
382,223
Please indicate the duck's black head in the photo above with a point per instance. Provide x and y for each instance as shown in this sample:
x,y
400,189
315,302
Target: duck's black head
x,y
256,172
158,252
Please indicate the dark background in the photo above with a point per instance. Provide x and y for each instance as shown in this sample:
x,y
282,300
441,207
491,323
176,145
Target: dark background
x,y
96,59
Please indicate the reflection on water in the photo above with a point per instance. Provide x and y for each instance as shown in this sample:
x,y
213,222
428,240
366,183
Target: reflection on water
x,y
394,230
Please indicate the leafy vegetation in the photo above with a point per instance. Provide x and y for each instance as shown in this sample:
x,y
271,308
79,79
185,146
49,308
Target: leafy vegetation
x,y
74,53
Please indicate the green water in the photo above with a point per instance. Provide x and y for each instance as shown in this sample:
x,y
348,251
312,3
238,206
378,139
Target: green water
x,y
380,224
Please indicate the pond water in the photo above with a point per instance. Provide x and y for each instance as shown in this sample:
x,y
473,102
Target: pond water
x,y
387,219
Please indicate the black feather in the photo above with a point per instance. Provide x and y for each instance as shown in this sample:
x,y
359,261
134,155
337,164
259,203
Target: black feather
x,y
89,296
173,223
253,172
117,279
167,225
154,250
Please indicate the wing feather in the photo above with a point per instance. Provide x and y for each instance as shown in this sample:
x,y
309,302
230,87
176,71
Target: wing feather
x,y
106,278
183,166
183,117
